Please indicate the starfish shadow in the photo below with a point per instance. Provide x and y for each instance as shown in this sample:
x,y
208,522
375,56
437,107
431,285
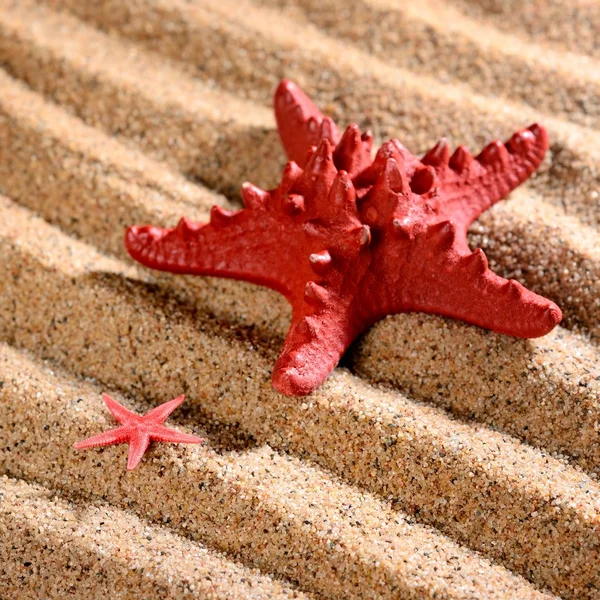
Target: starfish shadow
x,y
434,348
238,304
191,306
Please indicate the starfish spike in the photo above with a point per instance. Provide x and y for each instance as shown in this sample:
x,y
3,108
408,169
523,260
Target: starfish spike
x,y
349,239
138,431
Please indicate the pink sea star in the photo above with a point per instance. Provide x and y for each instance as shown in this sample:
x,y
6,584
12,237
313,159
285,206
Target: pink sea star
x,y
138,431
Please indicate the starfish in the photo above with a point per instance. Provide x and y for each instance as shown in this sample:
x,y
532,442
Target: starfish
x,y
138,431
349,239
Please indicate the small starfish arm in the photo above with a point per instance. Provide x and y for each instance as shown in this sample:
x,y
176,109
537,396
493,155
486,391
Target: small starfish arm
x,y
471,185
138,444
119,412
300,123
166,434
161,413
119,435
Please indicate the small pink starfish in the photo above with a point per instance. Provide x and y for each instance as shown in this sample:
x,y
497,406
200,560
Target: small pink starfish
x,y
138,431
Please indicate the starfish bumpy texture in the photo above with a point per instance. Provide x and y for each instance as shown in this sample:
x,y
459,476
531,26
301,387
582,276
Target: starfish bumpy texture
x,y
138,431
349,239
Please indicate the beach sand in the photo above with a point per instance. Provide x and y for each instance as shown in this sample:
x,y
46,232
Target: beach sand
x,y
438,461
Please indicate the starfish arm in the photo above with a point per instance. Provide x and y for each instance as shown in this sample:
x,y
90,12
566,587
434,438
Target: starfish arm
x,y
166,434
471,185
313,346
504,306
242,245
458,284
119,412
138,444
106,438
300,123
161,413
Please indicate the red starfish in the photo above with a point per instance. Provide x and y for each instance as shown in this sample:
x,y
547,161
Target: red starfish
x,y
349,240
138,431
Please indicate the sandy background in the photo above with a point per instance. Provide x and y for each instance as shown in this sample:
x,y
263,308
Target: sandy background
x,y
439,461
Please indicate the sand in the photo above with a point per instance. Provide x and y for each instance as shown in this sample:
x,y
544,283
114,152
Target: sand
x,y
94,550
441,461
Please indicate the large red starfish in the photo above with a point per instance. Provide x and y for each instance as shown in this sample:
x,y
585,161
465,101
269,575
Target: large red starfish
x,y
138,431
349,239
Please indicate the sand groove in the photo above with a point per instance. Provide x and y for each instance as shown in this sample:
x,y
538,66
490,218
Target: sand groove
x,y
393,101
572,25
354,540
482,490
439,40
96,551
60,144
544,391
158,109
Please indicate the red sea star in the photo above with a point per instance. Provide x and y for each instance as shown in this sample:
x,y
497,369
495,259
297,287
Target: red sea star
x,y
138,431
349,239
